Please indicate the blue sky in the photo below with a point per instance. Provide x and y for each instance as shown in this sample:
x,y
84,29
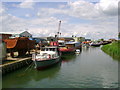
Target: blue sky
x,y
21,12
93,19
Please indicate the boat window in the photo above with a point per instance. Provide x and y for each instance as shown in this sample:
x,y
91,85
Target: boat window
x,y
60,43
44,54
42,49
51,49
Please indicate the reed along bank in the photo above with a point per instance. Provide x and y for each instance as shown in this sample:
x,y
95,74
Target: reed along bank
x,y
113,49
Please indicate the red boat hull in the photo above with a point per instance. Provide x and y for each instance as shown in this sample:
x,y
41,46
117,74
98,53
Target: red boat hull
x,y
67,50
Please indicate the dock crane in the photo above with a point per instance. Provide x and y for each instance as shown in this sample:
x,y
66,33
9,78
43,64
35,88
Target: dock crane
x,y
58,33
55,43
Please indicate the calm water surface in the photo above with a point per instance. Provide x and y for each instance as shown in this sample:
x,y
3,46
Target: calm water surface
x,y
92,68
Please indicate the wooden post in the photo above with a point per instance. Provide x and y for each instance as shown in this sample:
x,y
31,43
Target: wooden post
x,y
11,53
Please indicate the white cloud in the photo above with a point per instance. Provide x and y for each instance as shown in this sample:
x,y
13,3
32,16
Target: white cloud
x,y
86,10
109,7
62,6
104,14
49,27
47,12
1,10
83,9
38,27
27,4
103,9
27,15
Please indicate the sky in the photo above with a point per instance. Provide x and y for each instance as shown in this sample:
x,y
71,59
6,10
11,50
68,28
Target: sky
x,y
94,19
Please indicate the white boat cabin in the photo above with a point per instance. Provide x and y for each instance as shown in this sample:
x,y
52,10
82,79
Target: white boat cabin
x,y
48,53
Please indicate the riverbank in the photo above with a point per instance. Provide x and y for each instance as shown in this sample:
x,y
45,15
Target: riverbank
x,y
112,49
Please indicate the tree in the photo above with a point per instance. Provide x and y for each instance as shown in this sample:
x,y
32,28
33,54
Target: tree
x,y
102,39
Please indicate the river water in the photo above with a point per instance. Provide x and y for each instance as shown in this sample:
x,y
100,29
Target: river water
x,y
92,68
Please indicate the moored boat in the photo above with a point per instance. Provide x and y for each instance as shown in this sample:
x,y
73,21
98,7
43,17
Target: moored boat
x,y
66,50
77,51
95,44
70,47
86,44
48,56
105,42
72,44
63,48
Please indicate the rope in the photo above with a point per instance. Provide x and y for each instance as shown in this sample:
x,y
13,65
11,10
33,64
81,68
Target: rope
x,y
29,66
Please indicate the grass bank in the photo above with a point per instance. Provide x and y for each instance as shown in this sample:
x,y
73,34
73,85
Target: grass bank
x,y
113,49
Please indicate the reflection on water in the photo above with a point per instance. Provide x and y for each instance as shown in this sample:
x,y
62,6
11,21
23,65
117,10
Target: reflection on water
x,y
85,48
68,58
22,78
92,68
47,73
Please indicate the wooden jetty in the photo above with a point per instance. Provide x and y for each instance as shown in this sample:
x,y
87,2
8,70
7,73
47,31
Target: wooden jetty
x,y
17,64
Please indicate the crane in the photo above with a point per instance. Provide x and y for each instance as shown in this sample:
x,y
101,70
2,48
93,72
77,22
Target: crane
x,y
59,29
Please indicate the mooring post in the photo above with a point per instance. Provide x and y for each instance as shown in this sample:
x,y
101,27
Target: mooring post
x,y
11,53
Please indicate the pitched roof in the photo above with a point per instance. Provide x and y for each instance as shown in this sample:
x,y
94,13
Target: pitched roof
x,y
17,32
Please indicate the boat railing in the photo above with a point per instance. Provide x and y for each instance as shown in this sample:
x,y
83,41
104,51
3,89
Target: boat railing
x,y
44,56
